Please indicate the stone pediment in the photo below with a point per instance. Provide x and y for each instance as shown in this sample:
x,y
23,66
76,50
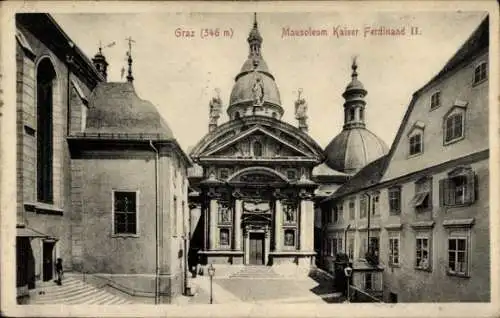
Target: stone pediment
x,y
256,142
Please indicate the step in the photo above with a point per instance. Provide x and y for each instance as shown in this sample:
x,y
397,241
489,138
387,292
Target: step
x,y
102,298
65,293
70,297
88,299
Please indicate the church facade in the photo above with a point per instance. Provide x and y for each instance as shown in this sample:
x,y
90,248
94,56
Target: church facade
x,y
254,193
101,183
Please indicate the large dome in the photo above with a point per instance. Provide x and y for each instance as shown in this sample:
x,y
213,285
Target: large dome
x,y
242,89
255,92
353,149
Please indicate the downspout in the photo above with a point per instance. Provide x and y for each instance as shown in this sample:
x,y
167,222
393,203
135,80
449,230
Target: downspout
x,y
157,223
368,226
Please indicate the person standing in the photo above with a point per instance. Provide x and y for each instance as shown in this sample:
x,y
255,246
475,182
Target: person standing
x,y
59,271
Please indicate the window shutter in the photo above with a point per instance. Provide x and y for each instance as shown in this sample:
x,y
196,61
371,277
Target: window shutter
x,y
469,195
442,192
476,188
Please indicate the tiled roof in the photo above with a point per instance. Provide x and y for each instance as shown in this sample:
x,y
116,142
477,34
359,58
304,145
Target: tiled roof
x,y
115,108
369,175
478,40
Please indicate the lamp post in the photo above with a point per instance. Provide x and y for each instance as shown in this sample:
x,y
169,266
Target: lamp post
x,y
348,273
211,272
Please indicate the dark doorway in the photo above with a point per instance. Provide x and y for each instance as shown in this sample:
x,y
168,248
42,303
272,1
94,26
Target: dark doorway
x,y
393,298
48,261
256,249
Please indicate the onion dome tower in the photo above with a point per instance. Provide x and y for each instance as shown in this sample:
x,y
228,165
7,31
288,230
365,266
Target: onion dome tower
x,y
355,146
254,92
100,63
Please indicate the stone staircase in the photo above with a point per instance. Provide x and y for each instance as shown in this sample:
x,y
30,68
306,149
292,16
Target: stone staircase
x,y
256,272
74,291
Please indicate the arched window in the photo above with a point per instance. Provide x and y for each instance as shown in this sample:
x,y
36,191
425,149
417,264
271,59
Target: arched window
x,y
275,115
257,149
361,114
237,115
44,102
351,114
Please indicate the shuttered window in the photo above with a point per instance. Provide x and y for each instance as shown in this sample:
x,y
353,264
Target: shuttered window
x,y
459,188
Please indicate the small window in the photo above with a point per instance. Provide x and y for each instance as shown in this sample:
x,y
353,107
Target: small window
x,y
224,237
416,144
457,256
454,128
375,204
436,100
257,149
361,114
275,115
237,115
290,238
351,114
480,72
125,212
395,200
422,257
352,209
394,250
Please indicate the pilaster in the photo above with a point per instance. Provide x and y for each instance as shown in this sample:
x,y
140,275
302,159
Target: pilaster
x,y
237,221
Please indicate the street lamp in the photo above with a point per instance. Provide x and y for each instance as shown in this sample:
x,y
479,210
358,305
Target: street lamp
x,y
348,273
211,272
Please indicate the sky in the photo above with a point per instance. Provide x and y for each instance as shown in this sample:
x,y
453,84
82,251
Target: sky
x,y
180,74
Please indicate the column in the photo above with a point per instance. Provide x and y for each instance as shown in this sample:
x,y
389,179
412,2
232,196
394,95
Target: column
x,y
237,225
213,224
303,225
278,216
310,224
247,245
267,245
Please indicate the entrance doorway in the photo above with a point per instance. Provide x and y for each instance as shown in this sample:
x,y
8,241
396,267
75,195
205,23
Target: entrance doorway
x,y
48,260
256,252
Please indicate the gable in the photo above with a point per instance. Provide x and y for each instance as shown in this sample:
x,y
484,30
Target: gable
x,y
237,139
245,144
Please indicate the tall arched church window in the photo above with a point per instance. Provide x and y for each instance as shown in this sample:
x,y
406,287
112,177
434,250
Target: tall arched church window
x,y
45,79
257,149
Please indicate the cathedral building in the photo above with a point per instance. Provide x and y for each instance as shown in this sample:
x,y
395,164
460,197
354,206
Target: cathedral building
x,y
253,190
101,182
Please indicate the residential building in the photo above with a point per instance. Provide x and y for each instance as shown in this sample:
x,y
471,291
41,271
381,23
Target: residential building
x,y
426,203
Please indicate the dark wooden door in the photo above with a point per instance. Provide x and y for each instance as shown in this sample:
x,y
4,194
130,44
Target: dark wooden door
x,y
48,261
256,248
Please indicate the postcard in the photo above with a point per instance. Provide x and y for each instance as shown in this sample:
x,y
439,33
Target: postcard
x,y
249,159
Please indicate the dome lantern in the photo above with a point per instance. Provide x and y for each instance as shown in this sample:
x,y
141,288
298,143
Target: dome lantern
x,y
254,92
354,105
355,146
